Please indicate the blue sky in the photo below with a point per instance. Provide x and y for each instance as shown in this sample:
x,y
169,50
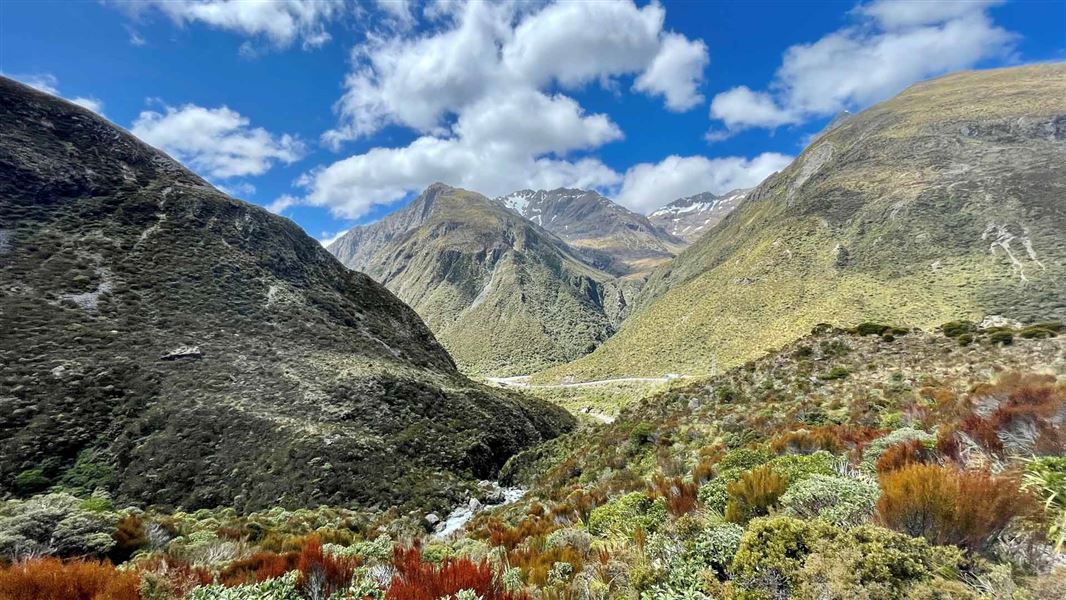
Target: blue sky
x,y
334,113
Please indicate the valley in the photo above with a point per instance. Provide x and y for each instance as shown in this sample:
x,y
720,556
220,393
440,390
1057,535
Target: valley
x,y
846,381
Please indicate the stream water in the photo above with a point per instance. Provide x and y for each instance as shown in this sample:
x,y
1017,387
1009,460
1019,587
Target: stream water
x,y
462,514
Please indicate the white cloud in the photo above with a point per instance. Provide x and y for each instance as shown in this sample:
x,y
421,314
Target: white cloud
x,y
649,186
49,84
897,14
894,45
482,90
352,186
676,72
577,42
327,238
217,142
45,82
280,22
740,107
93,104
485,49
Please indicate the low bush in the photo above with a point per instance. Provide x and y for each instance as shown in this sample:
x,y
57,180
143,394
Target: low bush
x,y
624,515
900,455
285,587
417,580
842,501
53,579
946,505
754,495
873,451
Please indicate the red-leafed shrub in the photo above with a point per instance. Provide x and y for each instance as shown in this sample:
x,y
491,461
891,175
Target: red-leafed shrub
x,y
947,444
947,505
258,567
900,455
170,577
680,495
322,575
536,560
53,579
982,432
416,580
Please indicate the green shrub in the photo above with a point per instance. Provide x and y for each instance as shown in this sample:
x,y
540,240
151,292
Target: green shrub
x,y
31,481
624,515
1037,332
842,501
90,472
874,563
773,549
754,494
54,524
1002,338
715,546
714,494
641,434
797,467
957,328
965,339
280,588
871,329
745,459
834,374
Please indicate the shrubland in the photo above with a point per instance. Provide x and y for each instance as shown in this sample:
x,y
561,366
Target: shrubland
x,y
934,469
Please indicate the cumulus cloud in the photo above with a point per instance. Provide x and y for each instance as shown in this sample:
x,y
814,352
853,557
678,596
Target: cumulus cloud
x,y
491,50
676,72
648,186
894,45
216,142
279,22
486,91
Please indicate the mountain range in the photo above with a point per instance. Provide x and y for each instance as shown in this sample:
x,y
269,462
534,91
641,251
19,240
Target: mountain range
x,y
690,217
609,236
177,347
504,295
942,203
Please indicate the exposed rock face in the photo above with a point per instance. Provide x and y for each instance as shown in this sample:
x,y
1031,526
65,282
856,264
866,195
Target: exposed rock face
x,y
690,217
608,235
945,202
312,384
502,294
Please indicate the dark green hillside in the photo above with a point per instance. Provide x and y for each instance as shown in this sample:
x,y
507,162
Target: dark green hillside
x,y
179,347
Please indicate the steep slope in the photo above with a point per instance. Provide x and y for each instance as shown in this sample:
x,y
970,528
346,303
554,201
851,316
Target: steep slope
x,y
945,202
503,295
609,236
690,217
179,347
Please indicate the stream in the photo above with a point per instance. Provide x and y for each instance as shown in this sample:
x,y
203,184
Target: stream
x,y
462,514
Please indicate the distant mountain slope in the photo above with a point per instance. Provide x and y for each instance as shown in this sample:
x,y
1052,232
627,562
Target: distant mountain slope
x,y
948,201
609,236
503,295
690,217
179,347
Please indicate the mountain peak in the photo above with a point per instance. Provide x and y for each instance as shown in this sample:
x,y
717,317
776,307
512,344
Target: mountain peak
x,y
692,216
609,235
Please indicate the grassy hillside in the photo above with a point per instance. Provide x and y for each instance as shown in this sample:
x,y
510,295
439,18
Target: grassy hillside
x,y
173,346
503,295
945,202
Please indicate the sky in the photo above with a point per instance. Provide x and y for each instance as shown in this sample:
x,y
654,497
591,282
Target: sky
x,y
335,113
